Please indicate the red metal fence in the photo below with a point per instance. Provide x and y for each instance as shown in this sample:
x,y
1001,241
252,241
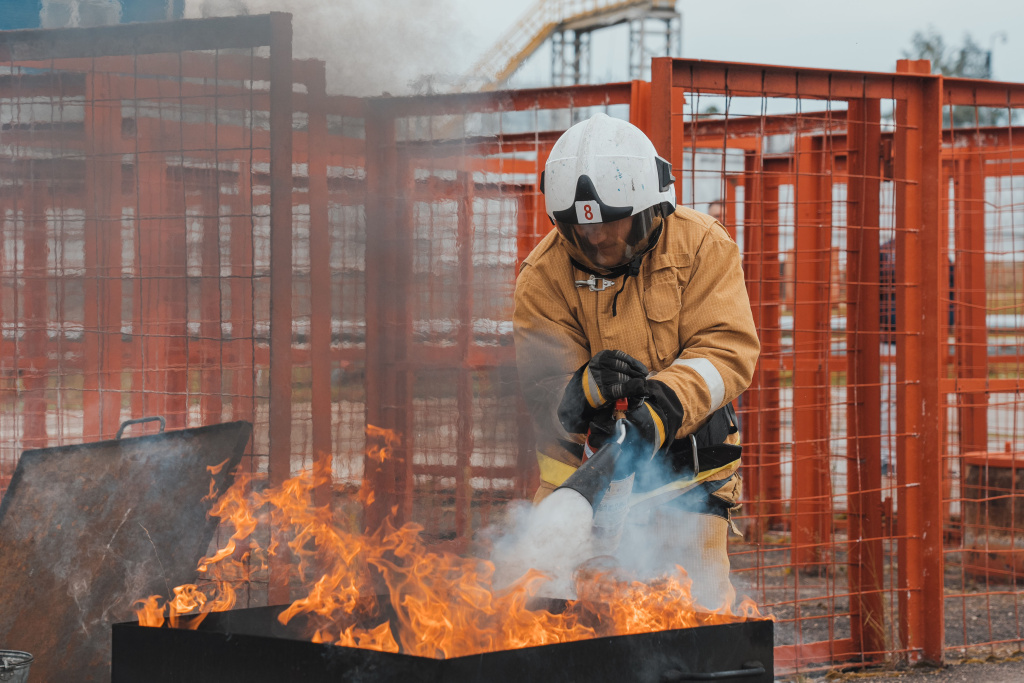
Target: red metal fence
x,y
191,227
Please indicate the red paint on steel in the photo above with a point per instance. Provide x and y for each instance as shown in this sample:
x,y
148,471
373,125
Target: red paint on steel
x,y
464,400
811,382
280,428
35,356
381,216
935,304
320,293
864,472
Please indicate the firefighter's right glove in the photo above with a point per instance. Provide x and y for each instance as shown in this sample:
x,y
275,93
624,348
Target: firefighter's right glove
x,y
653,422
609,375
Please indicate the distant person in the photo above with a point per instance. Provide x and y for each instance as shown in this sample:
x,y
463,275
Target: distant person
x,y
887,291
716,210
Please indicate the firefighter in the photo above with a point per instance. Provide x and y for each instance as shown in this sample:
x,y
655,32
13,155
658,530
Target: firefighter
x,y
632,297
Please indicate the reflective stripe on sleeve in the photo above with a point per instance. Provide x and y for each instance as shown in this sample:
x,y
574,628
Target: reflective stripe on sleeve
x,y
673,489
657,423
591,390
711,376
552,471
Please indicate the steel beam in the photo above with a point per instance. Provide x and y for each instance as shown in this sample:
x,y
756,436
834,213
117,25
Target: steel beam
x,y
218,33
864,421
811,504
279,468
320,290
918,251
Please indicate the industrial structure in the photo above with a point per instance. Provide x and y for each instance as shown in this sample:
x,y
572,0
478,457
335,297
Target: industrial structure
x,y
655,30
17,14
191,227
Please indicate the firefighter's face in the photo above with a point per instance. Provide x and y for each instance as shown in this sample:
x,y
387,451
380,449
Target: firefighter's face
x,y
606,243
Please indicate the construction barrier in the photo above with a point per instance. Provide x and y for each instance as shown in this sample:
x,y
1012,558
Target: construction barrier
x,y
191,227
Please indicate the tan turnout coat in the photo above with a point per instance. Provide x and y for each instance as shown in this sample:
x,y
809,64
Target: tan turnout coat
x,y
686,316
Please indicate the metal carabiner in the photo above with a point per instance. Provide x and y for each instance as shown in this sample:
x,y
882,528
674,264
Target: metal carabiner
x,y
592,284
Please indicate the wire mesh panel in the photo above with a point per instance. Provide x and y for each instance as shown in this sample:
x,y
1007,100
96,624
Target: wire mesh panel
x,y
452,207
135,215
982,227
146,259
823,177
190,227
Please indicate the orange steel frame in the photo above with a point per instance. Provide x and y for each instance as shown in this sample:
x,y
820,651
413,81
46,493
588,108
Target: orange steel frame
x,y
917,144
850,146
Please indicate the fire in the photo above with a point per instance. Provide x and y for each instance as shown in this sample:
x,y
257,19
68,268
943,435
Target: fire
x,y
381,451
439,604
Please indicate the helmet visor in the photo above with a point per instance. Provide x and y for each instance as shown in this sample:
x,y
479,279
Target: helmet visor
x,y
603,247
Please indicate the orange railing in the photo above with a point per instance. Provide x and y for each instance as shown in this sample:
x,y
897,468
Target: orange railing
x,y
171,245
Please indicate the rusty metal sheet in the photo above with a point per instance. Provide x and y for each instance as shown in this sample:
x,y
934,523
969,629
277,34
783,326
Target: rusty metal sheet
x,y
86,530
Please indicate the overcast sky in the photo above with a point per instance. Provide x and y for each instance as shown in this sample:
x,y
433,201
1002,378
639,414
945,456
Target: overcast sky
x,y
377,45
860,35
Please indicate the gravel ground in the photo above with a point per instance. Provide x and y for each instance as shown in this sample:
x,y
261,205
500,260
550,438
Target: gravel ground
x,y
809,609
993,670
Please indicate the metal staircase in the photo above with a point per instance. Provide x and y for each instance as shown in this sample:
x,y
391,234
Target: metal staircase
x,y
655,29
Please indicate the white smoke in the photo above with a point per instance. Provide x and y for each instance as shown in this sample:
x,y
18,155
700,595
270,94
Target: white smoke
x,y
553,537
561,535
371,48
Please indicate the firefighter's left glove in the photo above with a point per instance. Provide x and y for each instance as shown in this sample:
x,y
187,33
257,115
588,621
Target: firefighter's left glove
x,y
613,374
653,422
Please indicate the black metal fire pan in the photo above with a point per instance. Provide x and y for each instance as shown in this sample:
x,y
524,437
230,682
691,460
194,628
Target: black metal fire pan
x,y
86,530
250,646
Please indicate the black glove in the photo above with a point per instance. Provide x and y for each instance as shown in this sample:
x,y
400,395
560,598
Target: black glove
x,y
607,376
601,428
652,422
655,420
611,375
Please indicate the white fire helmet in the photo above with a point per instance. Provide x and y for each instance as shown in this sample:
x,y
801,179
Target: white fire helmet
x,y
603,170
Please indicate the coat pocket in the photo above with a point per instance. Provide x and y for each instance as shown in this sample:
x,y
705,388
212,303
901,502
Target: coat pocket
x,y
662,301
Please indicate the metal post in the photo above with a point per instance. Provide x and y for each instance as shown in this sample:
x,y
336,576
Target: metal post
x,y
35,310
320,284
381,216
280,270
399,315
91,428
970,326
864,421
210,343
242,347
666,131
811,344
464,338
103,256
918,147
171,261
934,296
761,425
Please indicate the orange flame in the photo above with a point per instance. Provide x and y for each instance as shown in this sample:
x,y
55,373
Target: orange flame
x,y
442,605
381,452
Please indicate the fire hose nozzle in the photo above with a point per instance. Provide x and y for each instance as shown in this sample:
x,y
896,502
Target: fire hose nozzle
x,y
592,478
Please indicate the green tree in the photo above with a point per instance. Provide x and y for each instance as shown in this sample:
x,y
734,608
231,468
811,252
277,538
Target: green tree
x,y
969,60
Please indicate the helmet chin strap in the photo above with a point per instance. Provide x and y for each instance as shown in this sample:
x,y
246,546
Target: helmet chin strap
x,y
633,271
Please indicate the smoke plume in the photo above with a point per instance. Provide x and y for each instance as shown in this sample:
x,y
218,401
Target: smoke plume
x,y
398,47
